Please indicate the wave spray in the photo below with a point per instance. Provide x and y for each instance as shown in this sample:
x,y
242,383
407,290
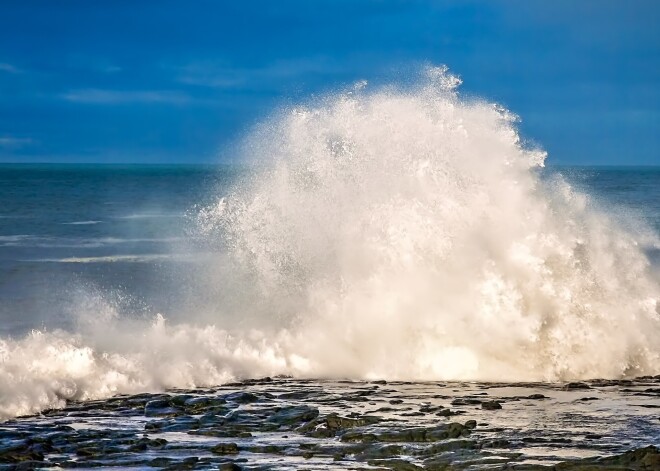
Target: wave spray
x,y
400,233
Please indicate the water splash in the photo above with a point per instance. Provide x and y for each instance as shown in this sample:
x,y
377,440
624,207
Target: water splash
x,y
399,233
410,236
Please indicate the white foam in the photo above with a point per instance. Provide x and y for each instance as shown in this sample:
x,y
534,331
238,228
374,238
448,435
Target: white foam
x,y
82,223
397,234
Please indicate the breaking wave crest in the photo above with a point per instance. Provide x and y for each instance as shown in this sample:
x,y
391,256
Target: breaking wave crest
x,y
400,233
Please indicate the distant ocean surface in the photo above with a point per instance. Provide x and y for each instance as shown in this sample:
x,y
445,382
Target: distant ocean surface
x,y
110,227
126,228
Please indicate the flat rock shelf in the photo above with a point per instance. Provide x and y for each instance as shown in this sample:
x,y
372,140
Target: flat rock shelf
x,y
286,424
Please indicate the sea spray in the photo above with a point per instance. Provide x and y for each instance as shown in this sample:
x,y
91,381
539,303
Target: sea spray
x,y
397,233
409,236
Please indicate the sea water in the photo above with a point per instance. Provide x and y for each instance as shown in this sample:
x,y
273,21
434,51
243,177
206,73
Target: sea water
x,y
402,233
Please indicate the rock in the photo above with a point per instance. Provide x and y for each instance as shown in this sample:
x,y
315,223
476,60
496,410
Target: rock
x,y
355,436
294,415
471,424
491,405
376,452
466,402
229,466
421,434
536,396
225,449
572,386
396,465
242,397
450,445
160,408
334,422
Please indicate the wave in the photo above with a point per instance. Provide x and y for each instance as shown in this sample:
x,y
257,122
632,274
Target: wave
x,y
82,223
151,216
83,243
126,258
399,233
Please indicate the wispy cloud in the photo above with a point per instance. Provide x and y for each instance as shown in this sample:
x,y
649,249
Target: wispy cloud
x,y
9,142
120,97
10,69
218,75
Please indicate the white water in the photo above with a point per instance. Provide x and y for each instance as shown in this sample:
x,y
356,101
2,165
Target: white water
x,y
397,234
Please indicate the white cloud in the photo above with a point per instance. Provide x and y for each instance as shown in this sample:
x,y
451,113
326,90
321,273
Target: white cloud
x,y
118,97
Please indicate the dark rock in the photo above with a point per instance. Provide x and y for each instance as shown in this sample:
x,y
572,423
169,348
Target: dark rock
x,y
641,459
471,424
466,402
242,397
491,405
334,422
355,436
396,465
536,396
225,449
573,386
294,415
229,466
421,434
427,408
384,451
450,445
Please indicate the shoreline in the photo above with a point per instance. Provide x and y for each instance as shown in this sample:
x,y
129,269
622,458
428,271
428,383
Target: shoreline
x,y
285,423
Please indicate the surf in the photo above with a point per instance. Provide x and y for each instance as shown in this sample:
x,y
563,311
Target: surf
x,y
400,233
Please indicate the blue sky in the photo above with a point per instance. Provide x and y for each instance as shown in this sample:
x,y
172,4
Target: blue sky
x,y
164,81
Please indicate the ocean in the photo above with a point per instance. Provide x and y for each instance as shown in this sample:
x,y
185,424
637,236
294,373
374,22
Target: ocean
x,y
388,280
124,230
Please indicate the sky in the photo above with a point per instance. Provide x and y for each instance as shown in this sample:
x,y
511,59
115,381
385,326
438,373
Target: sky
x,y
158,81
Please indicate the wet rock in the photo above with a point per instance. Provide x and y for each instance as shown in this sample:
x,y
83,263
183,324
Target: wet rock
x,y
377,452
536,396
293,416
641,459
497,443
395,464
577,385
229,466
225,449
450,445
242,397
160,408
355,436
160,462
491,405
466,402
421,434
204,405
20,452
428,408
335,422
471,424
270,449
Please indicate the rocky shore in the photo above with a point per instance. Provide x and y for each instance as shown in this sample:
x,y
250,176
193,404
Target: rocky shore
x,y
282,423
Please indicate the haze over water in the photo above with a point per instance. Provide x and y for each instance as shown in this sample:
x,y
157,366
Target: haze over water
x,y
396,233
